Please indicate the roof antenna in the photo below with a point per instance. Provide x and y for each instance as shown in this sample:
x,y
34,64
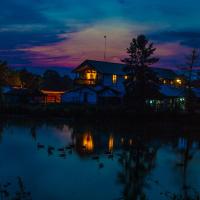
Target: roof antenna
x,y
105,37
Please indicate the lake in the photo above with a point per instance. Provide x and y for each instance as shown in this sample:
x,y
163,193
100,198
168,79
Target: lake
x,y
59,159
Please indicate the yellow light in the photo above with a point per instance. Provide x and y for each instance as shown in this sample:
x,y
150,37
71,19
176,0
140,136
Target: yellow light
x,y
179,81
111,143
125,77
114,78
91,75
52,92
88,142
164,81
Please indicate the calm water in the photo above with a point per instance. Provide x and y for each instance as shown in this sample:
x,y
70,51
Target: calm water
x,y
104,162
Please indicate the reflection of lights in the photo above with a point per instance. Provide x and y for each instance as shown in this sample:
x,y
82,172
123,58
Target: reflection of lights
x,y
125,77
111,143
130,142
88,142
122,140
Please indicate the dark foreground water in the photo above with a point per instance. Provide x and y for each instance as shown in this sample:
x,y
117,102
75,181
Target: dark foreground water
x,y
104,162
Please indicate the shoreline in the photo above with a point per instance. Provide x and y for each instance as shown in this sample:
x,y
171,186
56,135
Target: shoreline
x,y
94,113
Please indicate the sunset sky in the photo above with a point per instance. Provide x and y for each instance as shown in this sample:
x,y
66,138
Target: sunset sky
x,y
63,33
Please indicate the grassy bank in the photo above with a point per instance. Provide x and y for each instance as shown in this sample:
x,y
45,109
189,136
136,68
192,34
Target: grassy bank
x,y
93,113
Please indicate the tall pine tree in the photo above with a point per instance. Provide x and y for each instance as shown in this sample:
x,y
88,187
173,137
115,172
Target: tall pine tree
x,y
142,83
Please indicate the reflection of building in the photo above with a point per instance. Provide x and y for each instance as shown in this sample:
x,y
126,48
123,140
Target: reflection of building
x,y
88,143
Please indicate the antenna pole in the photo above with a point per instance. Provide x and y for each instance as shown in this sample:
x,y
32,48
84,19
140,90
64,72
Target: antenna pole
x,y
105,37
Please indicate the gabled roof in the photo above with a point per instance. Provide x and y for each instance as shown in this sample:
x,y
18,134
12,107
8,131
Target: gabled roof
x,y
102,67
164,73
171,91
117,68
97,89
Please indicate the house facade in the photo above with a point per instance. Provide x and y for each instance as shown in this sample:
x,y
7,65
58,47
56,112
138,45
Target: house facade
x,y
111,77
93,73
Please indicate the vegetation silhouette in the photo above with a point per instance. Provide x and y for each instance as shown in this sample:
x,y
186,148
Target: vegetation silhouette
x,y
141,83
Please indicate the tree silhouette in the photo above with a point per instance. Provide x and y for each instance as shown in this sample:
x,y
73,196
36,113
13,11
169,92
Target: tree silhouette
x,y
137,162
29,80
142,82
191,61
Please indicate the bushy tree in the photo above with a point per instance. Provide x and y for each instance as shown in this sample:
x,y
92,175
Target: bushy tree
x,y
52,80
142,82
29,80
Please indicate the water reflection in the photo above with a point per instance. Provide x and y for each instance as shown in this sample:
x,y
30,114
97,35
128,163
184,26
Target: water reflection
x,y
88,144
146,163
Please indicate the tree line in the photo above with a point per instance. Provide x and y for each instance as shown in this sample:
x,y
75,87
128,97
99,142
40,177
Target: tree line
x,y
23,78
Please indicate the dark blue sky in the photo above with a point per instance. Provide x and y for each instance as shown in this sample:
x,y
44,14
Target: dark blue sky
x,y
65,32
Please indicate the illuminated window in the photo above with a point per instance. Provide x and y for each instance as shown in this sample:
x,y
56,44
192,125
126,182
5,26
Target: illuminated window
x,y
114,78
125,77
165,82
171,82
91,75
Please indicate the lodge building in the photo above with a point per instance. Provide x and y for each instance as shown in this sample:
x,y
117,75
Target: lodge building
x,y
93,77
99,82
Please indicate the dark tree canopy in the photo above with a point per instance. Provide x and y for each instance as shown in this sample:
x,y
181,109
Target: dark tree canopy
x,y
142,82
53,81
29,80
4,73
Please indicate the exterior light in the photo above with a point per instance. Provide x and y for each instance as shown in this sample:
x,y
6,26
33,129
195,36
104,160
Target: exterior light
x,y
125,77
179,81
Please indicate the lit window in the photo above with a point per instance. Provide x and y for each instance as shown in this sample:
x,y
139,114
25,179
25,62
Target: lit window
x,y
125,77
165,82
172,82
91,75
114,78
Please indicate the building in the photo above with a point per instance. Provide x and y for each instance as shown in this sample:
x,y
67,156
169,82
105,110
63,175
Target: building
x,y
170,98
92,95
168,77
92,73
52,96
